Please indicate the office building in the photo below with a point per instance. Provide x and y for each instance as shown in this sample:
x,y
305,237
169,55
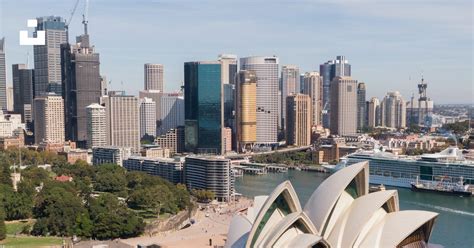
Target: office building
x,y
210,173
10,124
123,121
373,115
154,77
313,87
172,112
156,96
3,76
343,106
166,168
246,114
9,99
333,68
393,109
226,139
298,120
154,151
204,105
82,85
266,71
110,155
290,84
228,77
47,58
96,125
49,118
361,107
23,80
173,140
229,68
147,117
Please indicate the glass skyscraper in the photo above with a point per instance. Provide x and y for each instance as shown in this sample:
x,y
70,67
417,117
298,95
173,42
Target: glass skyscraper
x,y
203,107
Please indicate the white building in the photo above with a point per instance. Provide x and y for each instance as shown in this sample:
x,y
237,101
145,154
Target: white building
x,y
49,118
154,77
313,87
9,123
96,125
393,109
172,112
147,117
343,106
373,112
290,84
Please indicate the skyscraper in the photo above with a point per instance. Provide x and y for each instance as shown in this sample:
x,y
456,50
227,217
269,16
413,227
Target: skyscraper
x,y
147,117
393,111
343,106
49,118
123,121
361,106
266,71
419,112
156,96
313,87
9,98
96,125
290,84
3,76
246,114
172,111
374,112
23,79
203,107
229,68
82,85
47,57
228,76
298,122
154,77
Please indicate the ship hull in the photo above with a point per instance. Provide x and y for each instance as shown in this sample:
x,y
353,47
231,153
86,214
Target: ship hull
x,y
444,192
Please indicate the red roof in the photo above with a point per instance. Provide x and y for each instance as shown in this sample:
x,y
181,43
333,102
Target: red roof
x,y
63,178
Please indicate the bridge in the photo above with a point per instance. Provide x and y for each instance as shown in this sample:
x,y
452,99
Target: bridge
x,y
251,154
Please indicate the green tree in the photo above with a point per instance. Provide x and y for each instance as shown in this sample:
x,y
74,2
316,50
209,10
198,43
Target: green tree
x,y
203,195
3,228
111,178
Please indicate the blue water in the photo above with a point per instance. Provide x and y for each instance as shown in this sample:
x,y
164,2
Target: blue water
x,y
454,226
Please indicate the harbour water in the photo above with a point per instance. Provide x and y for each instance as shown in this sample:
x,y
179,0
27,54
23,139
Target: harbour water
x,y
454,226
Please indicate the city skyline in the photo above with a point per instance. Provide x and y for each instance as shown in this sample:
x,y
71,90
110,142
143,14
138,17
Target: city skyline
x,y
389,52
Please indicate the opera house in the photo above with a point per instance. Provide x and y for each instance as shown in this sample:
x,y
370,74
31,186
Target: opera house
x,y
340,213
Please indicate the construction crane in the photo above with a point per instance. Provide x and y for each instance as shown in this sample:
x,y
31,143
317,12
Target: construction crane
x,y
66,26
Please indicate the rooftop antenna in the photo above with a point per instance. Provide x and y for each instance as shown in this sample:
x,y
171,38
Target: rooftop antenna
x,y
85,16
28,59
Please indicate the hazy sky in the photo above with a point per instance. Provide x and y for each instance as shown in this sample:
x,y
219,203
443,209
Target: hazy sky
x,y
390,44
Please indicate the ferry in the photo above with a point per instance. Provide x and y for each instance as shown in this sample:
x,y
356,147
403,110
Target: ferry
x,y
401,171
443,187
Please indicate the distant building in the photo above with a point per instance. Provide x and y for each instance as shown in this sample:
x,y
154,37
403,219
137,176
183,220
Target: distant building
x,y
393,111
298,118
210,173
169,169
72,156
266,70
110,154
10,99
420,112
361,106
226,139
96,125
290,84
49,118
156,96
373,115
147,117
343,106
10,124
229,68
246,114
313,87
154,77
3,76
172,112
329,150
155,151
23,80
172,140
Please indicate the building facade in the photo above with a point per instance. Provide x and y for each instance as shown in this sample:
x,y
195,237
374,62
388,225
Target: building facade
x,y
110,155
169,169
153,77
343,106
173,140
361,106
172,112
49,118
266,71
298,113
246,114
23,80
3,76
313,87
147,117
96,125
290,84
156,96
373,116
393,109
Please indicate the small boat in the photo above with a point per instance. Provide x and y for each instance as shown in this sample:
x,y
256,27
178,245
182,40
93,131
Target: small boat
x,y
376,188
442,187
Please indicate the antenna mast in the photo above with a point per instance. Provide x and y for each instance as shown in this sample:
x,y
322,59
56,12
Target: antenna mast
x,y
85,16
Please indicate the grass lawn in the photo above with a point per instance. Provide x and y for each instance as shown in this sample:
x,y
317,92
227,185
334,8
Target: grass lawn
x,y
16,227
27,241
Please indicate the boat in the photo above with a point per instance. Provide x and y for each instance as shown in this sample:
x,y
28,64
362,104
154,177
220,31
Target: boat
x,y
401,171
442,187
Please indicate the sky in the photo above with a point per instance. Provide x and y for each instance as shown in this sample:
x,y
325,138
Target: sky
x,y
390,44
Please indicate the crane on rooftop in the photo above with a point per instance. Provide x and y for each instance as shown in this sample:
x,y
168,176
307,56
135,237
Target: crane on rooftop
x,y
66,26
85,16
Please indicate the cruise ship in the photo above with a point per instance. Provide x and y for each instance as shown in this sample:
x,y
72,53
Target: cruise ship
x,y
401,171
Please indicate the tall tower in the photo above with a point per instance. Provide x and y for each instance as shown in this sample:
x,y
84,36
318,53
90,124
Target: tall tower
x,y
47,57
393,111
266,71
96,126
228,76
374,112
361,106
3,77
203,107
343,106
49,118
172,109
147,117
246,114
154,77
290,84
23,80
313,87
298,120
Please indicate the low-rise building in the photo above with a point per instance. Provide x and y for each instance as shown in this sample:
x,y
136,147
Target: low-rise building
x,y
155,151
76,154
110,154
167,168
172,140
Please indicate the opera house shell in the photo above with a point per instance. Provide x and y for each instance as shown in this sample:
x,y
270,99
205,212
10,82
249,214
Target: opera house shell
x,y
340,213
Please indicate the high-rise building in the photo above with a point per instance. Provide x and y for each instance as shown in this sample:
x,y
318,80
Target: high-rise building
x,y
393,111
373,115
96,125
228,77
419,112
147,117
172,112
23,79
173,140
333,68
3,76
266,71
343,106
313,87
123,121
9,99
246,110
210,173
298,121
154,77
361,106
156,96
47,57
226,139
229,68
49,118
82,85
290,84
204,105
